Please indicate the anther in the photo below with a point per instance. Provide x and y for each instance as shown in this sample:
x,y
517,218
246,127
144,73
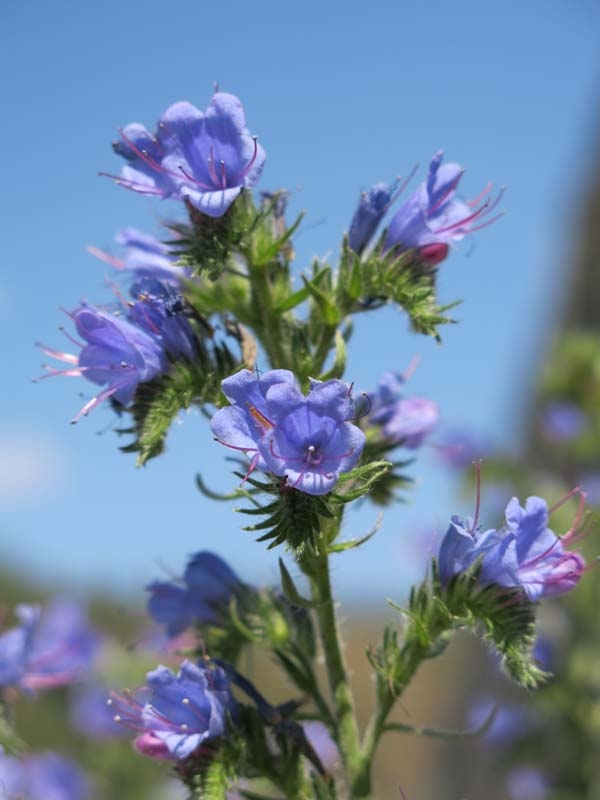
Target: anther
x,y
117,718
186,701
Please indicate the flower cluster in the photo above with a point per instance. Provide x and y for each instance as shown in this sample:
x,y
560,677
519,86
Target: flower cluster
x,y
47,649
309,439
176,714
429,221
205,158
399,419
524,554
208,584
135,343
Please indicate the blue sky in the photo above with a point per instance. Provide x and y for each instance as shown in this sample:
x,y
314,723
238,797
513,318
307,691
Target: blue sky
x,y
341,94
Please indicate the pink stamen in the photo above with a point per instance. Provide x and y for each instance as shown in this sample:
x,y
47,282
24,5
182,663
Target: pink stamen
x,y
223,175
70,373
403,186
106,257
69,358
69,337
248,166
478,500
195,180
211,167
134,185
412,367
95,401
486,190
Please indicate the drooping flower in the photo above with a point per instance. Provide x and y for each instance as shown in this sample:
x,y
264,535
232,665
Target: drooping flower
x,y
433,217
402,420
524,554
177,713
41,776
206,589
308,439
47,649
204,158
117,355
371,209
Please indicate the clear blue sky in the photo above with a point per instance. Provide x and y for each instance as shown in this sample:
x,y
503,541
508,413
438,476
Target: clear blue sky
x,y
342,94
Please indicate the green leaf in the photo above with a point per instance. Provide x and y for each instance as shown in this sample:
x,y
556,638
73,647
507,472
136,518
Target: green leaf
x,y
330,312
270,252
352,543
9,740
440,733
289,588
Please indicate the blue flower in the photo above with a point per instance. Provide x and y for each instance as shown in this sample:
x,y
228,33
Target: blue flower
x,y
177,713
433,217
42,776
402,420
308,439
203,158
147,257
525,554
208,585
159,310
371,209
47,649
117,355
562,422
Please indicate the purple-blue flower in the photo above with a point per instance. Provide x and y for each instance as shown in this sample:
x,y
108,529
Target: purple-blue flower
x,y
562,422
204,158
524,554
403,420
89,714
308,439
177,713
527,783
145,257
42,776
200,598
159,310
47,649
117,355
433,217
372,208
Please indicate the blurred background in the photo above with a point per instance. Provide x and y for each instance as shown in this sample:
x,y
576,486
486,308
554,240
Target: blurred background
x,y
341,96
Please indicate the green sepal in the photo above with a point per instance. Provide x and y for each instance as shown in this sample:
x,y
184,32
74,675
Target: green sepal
x,y
507,617
294,518
206,243
359,481
388,277
158,402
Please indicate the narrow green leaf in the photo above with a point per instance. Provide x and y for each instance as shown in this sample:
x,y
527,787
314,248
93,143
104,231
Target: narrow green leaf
x,y
440,733
290,590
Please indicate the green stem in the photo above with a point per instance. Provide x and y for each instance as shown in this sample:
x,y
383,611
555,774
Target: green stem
x,y
416,649
343,702
267,322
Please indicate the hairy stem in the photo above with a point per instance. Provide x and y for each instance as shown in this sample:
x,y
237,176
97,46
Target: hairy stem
x,y
343,701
